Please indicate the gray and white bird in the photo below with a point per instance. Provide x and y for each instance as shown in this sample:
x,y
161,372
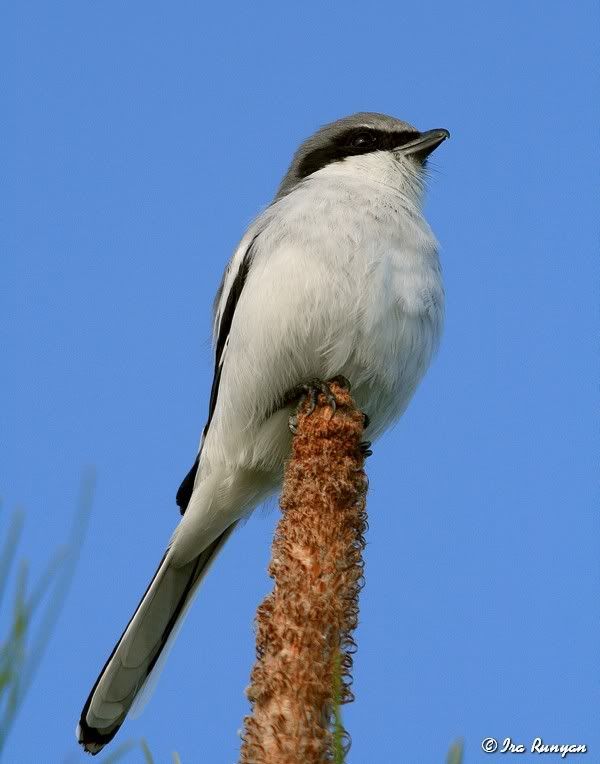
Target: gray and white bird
x,y
338,276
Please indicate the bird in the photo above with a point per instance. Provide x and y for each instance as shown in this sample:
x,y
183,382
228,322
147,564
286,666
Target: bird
x,y
338,277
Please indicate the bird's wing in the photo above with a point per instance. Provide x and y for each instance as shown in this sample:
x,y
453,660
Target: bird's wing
x,y
226,301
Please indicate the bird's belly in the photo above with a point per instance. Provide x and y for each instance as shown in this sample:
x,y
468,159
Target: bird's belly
x,y
387,364
383,339
384,363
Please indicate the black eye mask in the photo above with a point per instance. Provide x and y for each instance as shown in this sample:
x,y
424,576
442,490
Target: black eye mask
x,y
354,142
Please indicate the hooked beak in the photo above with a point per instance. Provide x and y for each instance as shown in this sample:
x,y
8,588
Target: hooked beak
x,y
427,142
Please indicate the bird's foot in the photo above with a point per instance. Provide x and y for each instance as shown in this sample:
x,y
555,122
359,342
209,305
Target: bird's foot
x,y
311,390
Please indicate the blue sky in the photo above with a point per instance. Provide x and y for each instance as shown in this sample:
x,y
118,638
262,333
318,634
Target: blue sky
x,y
139,141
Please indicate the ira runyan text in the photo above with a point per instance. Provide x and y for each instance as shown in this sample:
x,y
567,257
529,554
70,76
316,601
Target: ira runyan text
x,y
539,746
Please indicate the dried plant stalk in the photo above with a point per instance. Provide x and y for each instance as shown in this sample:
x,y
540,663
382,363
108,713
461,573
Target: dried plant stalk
x,y
304,627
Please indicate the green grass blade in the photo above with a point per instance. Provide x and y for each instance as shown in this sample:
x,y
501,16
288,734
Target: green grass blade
x,y
63,582
16,673
148,758
46,579
455,754
9,549
13,656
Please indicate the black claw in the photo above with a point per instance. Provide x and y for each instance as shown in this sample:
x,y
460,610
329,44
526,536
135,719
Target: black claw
x,y
329,396
365,448
312,393
366,420
342,381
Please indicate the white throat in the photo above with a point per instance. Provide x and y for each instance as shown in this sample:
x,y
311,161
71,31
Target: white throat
x,y
387,168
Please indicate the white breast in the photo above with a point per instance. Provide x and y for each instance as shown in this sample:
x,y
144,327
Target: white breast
x,y
371,262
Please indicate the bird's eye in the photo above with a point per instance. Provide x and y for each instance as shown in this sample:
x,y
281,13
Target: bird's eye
x,y
363,140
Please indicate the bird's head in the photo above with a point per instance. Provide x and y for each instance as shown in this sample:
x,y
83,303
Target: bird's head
x,y
365,144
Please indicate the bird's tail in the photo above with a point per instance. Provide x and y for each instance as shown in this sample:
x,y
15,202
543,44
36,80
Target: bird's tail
x,y
153,623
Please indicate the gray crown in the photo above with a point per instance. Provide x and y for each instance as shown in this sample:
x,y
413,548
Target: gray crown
x,y
326,137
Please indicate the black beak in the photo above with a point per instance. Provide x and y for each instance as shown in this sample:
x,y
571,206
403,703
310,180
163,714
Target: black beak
x,y
427,142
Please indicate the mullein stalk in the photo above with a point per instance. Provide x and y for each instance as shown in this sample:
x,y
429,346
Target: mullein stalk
x,y
304,641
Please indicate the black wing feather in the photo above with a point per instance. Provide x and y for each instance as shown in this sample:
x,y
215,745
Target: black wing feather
x,y
184,494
